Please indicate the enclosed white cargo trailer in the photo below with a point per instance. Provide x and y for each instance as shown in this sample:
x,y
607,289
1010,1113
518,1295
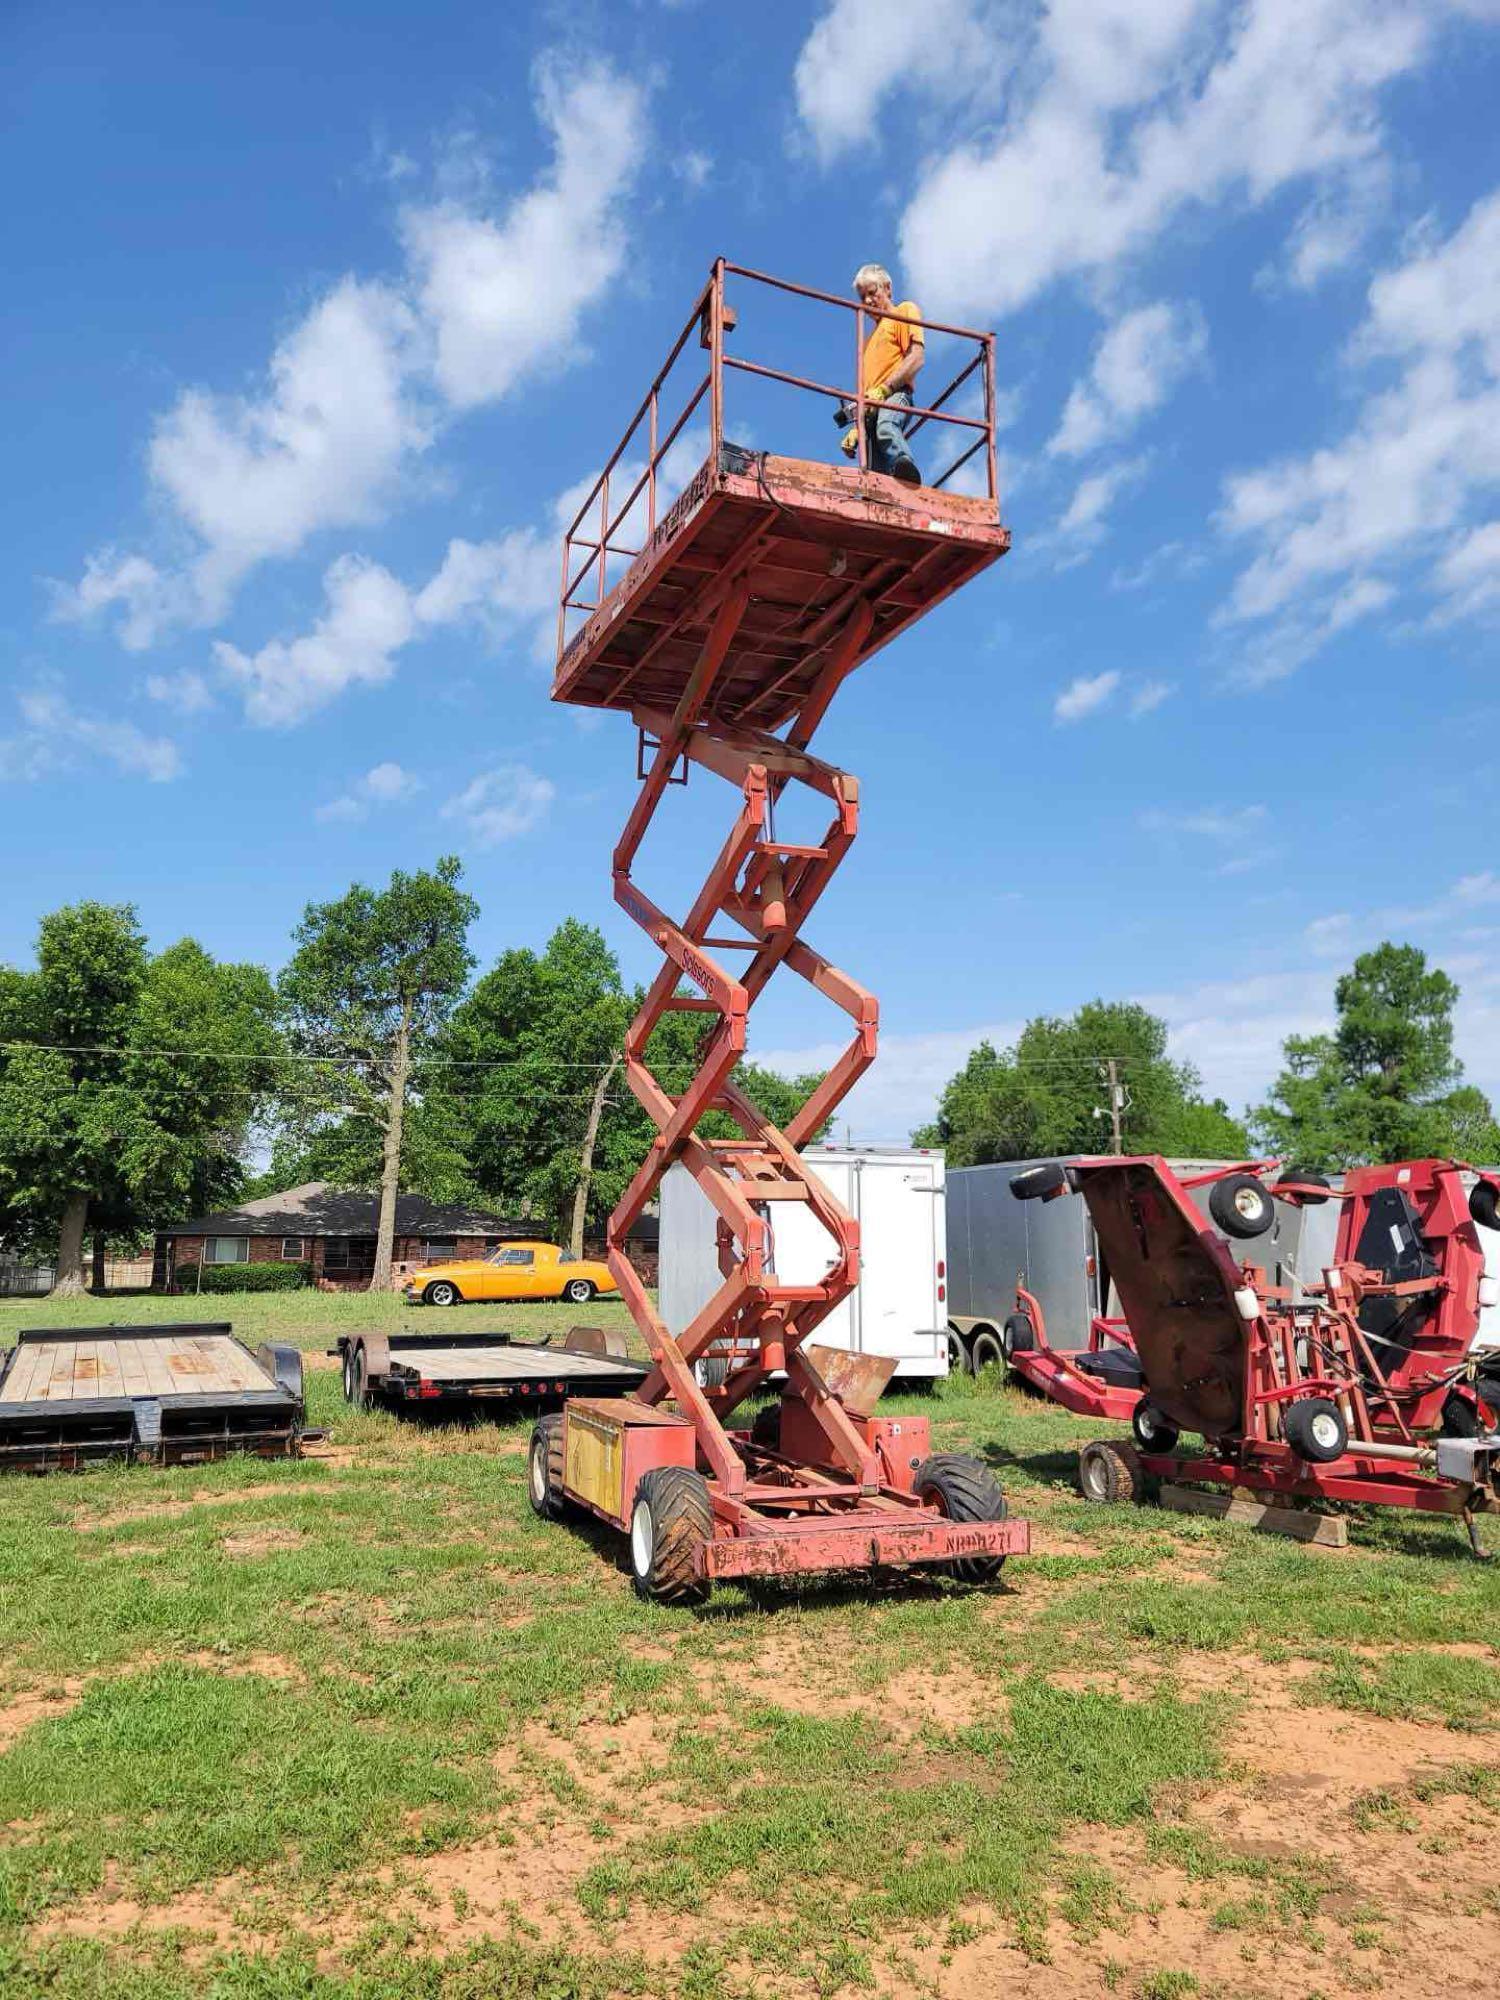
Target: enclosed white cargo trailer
x,y
897,1196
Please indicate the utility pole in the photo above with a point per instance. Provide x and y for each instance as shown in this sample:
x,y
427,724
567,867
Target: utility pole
x,y
1116,1105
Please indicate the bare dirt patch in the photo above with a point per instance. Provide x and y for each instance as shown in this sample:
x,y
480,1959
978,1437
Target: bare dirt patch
x,y
250,1542
22,1710
205,1496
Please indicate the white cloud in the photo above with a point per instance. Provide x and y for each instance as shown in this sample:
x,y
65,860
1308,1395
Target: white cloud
x,y
1119,117
501,804
505,298
1082,525
902,1089
1403,485
1470,573
1222,824
54,735
188,692
860,51
1136,365
384,785
1148,696
356,391
367,617
1084,696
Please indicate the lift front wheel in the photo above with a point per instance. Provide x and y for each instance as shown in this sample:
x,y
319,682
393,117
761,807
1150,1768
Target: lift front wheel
x,y
544,1483
964,1490
671,1525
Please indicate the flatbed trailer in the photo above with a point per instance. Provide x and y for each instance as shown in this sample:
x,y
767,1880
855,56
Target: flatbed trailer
x,y
175,1393
451,1370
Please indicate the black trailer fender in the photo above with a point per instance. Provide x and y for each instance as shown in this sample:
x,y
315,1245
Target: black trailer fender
x,y
283,1363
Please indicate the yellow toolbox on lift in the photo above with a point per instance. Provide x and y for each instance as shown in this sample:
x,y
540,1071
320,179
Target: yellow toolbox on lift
x,y
609,1442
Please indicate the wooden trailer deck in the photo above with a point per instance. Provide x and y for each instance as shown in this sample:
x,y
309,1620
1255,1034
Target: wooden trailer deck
x,y
454,1368
168,1393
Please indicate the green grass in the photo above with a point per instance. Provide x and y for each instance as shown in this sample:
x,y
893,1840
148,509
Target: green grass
x,y
294,1685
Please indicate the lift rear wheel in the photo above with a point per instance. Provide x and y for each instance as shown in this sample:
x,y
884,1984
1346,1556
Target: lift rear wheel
x,y
964,1490
1019,1336
671,1525
544,1482
1315,1430
1240,1205
1108,1474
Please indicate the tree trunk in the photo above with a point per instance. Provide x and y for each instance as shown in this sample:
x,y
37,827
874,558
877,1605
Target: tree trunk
x,y
390,1171
586,1159
99,1278
75,1218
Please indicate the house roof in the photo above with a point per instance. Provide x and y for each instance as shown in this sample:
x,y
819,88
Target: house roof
x,y
316,1209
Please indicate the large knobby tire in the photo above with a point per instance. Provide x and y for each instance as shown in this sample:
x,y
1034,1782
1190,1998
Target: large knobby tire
x,y
671,1526
964,1490
1019,1336
1241,1205
1154,1431
578,1291
960,1361
1315,1430
765,1427
544,1481
1039,1183
987,1350
1108,1474
1484,1204
443,1293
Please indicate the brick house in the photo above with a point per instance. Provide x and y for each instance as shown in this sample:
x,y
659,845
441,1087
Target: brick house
x,y
332,1230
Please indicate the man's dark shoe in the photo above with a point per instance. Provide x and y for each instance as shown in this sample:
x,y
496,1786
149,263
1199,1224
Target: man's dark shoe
x,y
905,469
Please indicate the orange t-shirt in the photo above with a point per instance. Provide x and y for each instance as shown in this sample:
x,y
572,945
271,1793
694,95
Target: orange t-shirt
x,y
891,342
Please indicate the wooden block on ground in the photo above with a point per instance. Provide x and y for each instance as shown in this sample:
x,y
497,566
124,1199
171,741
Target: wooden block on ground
x,y
1328,1531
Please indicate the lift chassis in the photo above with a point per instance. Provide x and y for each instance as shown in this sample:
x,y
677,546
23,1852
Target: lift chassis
x,y
766,584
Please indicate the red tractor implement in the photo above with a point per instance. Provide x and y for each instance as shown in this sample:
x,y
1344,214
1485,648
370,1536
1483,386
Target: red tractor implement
x,y
741,606
1364,1387
1100,1380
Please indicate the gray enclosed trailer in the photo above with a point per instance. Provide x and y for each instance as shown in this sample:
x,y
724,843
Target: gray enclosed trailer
x,y
996,1242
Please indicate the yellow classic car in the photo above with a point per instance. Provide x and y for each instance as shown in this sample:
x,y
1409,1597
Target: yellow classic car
x,y
514,1271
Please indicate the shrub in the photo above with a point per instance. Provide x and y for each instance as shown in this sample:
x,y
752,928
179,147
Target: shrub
x,y
246,1278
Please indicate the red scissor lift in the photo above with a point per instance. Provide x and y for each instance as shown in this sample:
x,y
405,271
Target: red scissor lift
x,y
744,603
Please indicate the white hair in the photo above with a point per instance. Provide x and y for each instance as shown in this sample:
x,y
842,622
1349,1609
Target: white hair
x,y
872,274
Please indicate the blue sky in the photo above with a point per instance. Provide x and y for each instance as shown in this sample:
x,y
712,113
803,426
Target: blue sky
x,y
316,313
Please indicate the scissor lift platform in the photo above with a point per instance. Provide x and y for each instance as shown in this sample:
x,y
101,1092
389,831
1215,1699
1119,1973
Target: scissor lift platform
x,y
173,1394
811,542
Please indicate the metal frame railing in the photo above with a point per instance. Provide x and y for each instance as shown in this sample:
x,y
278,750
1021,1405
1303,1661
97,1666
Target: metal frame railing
x,y
713,317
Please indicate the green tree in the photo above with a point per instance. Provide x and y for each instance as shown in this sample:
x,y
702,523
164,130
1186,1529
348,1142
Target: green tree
x,y
1050,1094
1385,1084
374,978
129,1082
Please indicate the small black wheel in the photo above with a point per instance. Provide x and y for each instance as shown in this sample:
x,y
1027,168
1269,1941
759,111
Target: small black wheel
x,y
544,1483
960,1361
987,1350
671,1526
1108,1474
1241,1205
1315,1430
578,1291
443,1293
765,1428
1304,1178
964,1490
1484,1204
1040,1183
1153,1430
1460,1418
1019,1336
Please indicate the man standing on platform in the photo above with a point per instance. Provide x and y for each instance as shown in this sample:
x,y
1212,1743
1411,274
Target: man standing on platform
x,y
893,353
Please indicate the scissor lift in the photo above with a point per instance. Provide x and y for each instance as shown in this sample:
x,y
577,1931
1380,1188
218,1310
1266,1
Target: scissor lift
x,y
747,602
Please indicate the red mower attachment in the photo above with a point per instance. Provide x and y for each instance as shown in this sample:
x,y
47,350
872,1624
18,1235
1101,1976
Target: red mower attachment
x,y
748,599
1365,1388
1100,1380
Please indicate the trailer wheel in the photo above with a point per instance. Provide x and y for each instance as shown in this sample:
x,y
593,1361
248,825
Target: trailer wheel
x,y
1304,1177
443,1293
1484,1204
987,1350
1153,1430
960,1361
1240,1205
1108,1474
964,1490
347,1371
1019,1336
578,1291
671,1525
357,1377
1315,1430
1040,1183
544,1483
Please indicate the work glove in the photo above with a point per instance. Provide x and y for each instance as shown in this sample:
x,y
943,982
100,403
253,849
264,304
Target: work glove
x,y
849,442
878,394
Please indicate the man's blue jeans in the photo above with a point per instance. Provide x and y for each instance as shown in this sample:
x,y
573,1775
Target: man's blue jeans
x,y
885,427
